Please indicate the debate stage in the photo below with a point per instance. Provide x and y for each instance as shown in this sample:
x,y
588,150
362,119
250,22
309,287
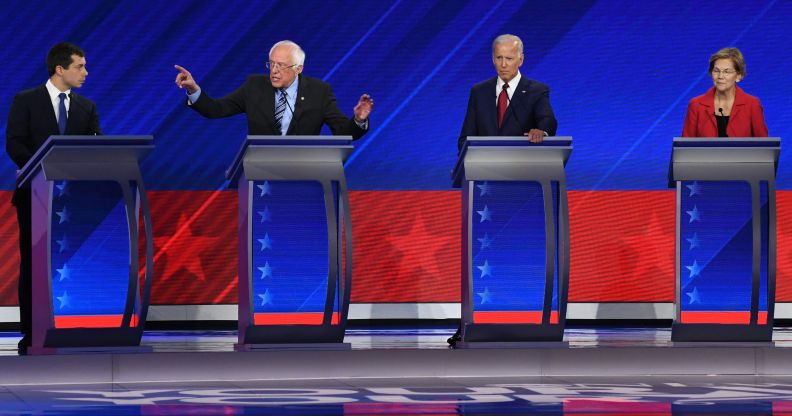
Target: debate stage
x,y
187,356
406,371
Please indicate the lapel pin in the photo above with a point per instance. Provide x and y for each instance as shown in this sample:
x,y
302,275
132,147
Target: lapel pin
x,y
302,98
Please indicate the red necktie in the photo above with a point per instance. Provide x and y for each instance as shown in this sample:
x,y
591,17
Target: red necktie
x,y
503,103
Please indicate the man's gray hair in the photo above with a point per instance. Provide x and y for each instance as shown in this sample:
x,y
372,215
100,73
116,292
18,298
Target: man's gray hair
x,y
298,55
508,39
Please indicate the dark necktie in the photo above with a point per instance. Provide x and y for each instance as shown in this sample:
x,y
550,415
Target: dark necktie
x,y
280,109
62,113
503,103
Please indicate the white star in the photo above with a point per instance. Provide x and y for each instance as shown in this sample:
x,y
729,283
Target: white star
x,y
64,216
63,244
486,296
485,188
695,214
266,298
265,188
695,269
486,269
485,242
65,273
266,271
695,189
64,300
265,215
694,241
694,296
61,188
266,243
486,214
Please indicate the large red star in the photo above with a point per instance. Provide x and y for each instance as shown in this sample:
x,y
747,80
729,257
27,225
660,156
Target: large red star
x,y
183,250
419,248
650,257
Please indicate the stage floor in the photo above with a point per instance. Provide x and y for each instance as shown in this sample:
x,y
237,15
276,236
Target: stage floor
x,y
396,371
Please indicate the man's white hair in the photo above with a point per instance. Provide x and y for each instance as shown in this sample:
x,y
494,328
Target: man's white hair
x,y
508,39
298,55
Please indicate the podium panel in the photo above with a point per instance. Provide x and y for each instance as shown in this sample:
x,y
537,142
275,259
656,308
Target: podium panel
x,y
87,201
90,254
291,252
725,238
295,262
515,230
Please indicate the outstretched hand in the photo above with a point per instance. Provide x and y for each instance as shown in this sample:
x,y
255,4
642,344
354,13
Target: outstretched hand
x,y
184,79
363,108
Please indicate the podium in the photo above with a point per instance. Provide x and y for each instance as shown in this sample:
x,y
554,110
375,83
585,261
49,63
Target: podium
x,y
87,199
725,238
295,241
515,226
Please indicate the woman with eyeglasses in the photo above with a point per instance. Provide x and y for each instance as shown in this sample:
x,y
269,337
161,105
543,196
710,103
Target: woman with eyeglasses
x,y
725,110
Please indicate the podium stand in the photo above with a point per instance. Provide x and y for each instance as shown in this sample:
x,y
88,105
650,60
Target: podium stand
x,y
515,226
295,241
725,238
87,199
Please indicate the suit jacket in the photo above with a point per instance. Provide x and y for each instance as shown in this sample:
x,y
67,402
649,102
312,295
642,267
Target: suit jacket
x,y
315,106
529,109
746,118
32,120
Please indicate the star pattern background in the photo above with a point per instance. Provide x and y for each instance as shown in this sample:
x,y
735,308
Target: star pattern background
x,y
508,246
716,243
89,246
601,271
290,247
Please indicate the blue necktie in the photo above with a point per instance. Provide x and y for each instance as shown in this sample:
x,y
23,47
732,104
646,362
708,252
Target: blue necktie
x,y
62,113
279,109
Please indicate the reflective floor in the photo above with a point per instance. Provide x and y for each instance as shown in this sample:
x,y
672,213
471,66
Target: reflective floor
x,y
427,396
647,395
362,339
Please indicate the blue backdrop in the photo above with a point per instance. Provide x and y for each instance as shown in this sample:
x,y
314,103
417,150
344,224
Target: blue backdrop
x,y
621,74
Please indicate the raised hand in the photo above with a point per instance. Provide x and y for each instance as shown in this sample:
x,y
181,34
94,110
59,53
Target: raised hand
x,y
363,108
185,80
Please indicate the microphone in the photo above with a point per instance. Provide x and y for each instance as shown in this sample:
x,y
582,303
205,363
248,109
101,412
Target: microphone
x,y
720,110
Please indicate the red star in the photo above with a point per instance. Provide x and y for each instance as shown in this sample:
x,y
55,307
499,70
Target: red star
x,y
419,250
649,255
183,250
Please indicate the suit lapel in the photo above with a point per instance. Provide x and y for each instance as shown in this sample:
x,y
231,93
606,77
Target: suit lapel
x,y
268,104
298,106
489,105
737,108
516,100
46,108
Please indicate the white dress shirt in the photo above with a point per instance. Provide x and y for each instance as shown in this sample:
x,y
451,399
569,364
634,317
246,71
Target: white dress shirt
x,y
54,92
512,87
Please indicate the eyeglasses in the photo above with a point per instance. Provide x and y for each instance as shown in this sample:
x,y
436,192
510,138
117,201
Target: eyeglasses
x,y
726,72
277,66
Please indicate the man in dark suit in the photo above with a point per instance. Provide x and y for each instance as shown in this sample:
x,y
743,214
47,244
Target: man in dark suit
x,y
509,104
47,110
286,102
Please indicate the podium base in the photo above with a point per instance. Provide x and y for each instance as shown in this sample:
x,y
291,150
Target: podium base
x,y
509,333
320,346
511,345
88,350
721,333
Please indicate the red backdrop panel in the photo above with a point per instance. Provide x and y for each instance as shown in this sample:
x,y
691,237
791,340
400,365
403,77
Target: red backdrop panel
x,y
407,246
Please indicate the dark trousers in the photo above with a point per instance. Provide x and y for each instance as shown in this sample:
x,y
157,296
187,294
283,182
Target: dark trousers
x,y
25,290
